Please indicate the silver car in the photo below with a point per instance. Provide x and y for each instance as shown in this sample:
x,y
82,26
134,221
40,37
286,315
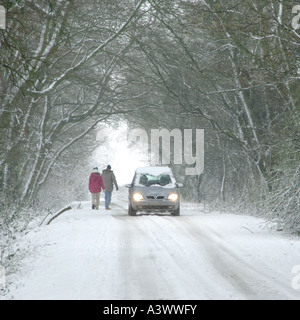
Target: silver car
x,y
154,189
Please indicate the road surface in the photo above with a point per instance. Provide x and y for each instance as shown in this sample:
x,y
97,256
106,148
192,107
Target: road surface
x,y
88,254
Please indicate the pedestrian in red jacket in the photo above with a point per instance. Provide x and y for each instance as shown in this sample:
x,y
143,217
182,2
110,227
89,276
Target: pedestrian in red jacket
x,y
95,186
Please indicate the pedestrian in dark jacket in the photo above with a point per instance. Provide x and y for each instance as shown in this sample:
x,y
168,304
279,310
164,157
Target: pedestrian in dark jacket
x,y
95,186
109,180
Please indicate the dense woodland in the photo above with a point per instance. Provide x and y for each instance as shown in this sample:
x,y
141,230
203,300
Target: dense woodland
x,y
230,67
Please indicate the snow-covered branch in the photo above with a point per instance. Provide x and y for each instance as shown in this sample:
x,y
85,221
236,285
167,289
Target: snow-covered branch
x,y
90,55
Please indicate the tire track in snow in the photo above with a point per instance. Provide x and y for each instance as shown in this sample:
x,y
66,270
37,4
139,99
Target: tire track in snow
x,y
135,260
248,281
220,260
191,265
172,271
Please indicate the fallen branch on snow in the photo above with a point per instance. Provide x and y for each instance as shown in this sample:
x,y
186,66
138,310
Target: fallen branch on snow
x,y
248,229
58,214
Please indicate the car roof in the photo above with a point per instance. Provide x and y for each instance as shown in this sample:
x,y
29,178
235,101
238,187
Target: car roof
x,y
154,170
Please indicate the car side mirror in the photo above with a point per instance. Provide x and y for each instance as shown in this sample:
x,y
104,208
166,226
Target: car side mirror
x,y
179,185
128,185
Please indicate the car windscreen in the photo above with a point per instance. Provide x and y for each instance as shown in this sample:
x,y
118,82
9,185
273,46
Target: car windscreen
x,y
148,180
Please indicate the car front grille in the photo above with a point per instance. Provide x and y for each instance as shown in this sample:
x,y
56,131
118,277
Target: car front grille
x,y
155,197
156,207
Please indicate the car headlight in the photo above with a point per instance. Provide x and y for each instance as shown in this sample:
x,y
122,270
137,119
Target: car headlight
x,y
138,197
173,197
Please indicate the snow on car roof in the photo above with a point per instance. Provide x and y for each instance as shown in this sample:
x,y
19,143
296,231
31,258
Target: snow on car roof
x,y
156,171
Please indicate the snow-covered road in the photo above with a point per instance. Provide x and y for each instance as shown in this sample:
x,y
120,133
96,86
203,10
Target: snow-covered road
x,y
87,254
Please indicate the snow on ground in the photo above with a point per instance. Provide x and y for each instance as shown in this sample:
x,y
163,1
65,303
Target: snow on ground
x,y
88,254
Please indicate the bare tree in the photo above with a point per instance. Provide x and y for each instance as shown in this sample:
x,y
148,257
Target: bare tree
x,y
59,81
